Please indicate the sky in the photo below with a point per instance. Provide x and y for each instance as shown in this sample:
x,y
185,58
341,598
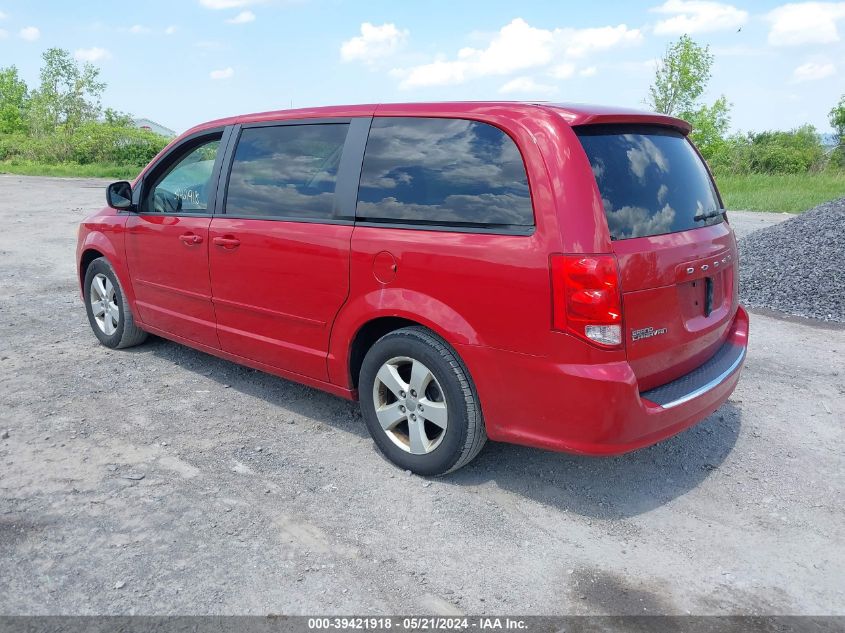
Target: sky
x,y
182,62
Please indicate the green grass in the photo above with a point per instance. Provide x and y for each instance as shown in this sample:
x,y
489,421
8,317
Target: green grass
x,y
95,170
792,193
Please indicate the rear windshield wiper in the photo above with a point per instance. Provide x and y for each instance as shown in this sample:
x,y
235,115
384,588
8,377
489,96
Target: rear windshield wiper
x,y
708,215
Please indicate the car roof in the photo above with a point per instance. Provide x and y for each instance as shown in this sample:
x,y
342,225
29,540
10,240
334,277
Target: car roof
x,y
572,113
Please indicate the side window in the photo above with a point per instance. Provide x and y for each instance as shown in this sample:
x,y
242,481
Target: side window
x,y
286,171
184,187
443,171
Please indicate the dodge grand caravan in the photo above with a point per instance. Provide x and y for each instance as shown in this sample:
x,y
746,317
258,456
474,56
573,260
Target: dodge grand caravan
x,y
557,276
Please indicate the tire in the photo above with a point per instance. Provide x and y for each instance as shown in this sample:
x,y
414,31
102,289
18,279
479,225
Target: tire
x,y
447,430
100,280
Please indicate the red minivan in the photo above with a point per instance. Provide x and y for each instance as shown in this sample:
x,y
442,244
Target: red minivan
x,y
550,275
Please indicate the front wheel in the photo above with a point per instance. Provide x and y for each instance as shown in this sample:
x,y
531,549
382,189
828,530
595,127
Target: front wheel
x,y
419,403
107,308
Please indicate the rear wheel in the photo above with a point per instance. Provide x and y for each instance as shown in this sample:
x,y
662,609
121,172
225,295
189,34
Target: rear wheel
x,y
108,312
419,403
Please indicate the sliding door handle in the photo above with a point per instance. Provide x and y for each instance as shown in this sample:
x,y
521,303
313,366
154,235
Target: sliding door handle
x,y
227,242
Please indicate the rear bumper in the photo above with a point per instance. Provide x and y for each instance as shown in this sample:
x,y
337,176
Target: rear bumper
x,y
709,376
598,409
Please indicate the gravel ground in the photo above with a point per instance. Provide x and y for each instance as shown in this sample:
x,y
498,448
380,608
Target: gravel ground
x,y
744,222
796,266
160,480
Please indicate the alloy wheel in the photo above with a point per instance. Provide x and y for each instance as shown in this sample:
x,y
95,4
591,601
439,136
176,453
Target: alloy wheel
x,y
410,405
104,304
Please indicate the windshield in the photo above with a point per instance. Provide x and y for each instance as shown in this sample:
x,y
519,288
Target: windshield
x,y
651,180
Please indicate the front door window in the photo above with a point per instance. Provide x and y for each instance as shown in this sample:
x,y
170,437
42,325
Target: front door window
x,y
185,186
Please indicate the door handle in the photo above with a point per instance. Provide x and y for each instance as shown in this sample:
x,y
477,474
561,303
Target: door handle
x,y
190,238
227,242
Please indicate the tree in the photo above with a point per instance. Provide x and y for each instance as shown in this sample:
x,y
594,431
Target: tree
x,y
709,126
837,122
116,118
680,79
13,101
69,93
837,119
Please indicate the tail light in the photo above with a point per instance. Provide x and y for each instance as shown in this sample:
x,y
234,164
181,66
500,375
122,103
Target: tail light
x,y
586,298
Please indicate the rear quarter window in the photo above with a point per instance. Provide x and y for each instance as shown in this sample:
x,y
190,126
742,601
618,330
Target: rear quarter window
x,y
451,172
651,180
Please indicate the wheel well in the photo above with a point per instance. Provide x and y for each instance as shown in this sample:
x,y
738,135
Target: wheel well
x,y
87,257
367,336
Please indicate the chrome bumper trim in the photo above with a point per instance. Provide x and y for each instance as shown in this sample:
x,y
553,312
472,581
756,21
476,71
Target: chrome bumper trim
x,y
715,382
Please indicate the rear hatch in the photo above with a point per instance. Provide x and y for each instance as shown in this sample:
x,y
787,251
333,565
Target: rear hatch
x,y
677,255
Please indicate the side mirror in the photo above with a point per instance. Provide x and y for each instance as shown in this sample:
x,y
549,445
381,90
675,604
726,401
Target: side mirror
x,y
119,195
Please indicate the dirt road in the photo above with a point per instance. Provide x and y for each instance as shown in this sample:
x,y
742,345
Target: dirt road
x,y
160,480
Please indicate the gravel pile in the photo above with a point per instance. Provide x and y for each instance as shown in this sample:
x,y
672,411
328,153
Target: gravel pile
x,y
796,266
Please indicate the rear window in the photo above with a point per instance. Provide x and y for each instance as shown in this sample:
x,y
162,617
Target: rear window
x,y
651,180
449,172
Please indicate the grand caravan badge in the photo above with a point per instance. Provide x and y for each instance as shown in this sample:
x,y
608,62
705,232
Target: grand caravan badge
x,y
647,332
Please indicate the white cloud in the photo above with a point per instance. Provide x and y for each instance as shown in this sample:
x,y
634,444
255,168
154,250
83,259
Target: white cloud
x,y
93,54
217,5
29,33
138,29
433,74
374,44
581,42
3,34
526,86
697,16
242,18
3,16
563,71
567,70
518,46
170,30
811,71
805,23
223,73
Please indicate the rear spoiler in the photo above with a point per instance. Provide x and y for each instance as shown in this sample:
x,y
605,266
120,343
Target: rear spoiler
x,y
575,117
